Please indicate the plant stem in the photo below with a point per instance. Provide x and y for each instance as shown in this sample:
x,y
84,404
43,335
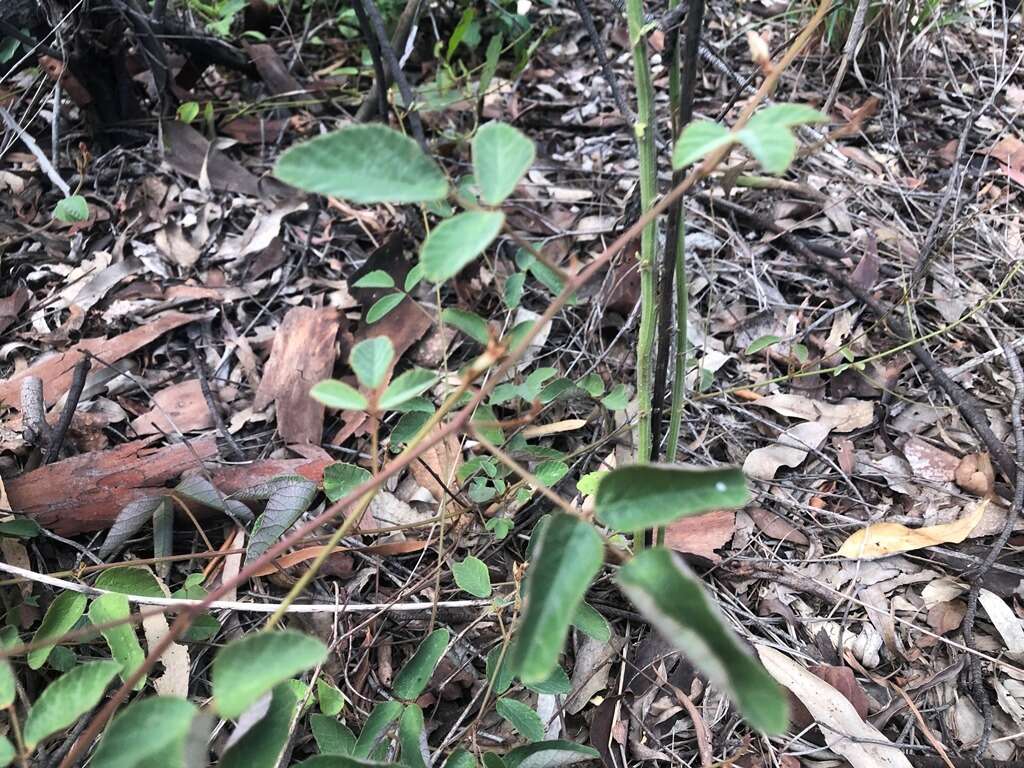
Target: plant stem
x,y
644,128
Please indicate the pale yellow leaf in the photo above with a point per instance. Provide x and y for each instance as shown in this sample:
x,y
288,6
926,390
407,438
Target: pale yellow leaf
x,y
884,539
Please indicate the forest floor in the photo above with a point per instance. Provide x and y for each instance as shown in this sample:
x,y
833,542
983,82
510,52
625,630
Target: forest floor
x,y
852,326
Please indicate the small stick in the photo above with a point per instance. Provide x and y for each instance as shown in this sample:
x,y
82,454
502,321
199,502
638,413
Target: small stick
x,y
602,58
379,86
211,402
34,426
44,161
56,440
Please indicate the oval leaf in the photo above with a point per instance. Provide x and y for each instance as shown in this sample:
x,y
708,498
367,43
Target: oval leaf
x,y
72,209
332,737
378,278
246,669
67,698
455,242
760,343
643,496
417,671
410,737
338,394
407,386
566,558
129,521
383,306
522,717
63,613
284,507
699,139
663,589
472,576
549,754
591,623
376,725
340,479
470,324
7,685
263,741
371,359
123,642
364,164
501,155
151,731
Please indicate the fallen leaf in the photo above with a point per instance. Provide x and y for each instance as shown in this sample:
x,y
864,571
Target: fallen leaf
x,y
702,535
436,467
308,553
790,450
776,527
945,617
845,416
1009,627
844,681
974,474
929,462
843,729
11,306
177,407
884,539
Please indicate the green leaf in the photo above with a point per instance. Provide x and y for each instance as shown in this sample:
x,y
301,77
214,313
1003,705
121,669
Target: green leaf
x,y
71,209
550,472
376,725
514,290
7,684
761,343
468,16
663,589
549,754
567,556
499,526
262,744
413,278
122,640
67,698
699,139
407,428
617,399
501,155
472,576
460,758
642,496
500,676
769,135
489,67
455,242
493,760
62,659
342,761
246,669
371,360
285,505
63,613
148,732
338,394
188,111
330,700
522,717
20,528
378,278
383,306
407,386
588,621
786,116
587,484
410,737
800,352
592,384
340,479
129,581
7,753
470,324
332,737
416,673
364,164
558,684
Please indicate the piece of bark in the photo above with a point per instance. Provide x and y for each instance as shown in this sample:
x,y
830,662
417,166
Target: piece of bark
x,y
11,306
303,353
57,371
86,492
189,153
177,407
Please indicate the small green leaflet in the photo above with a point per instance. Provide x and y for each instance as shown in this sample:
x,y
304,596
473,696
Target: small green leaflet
x,y
616,399
363,164
246,669
376,725
340,479
330,700
588,621
663,589
71,209
383,306
547,754
566,558
699,139
338,394
470,324
455,242
371,360
152,731
522,717
378,278
67,698
410,737
642,495
769,135
472,576
122,640
7,684
7,753
404,388
332,737
761,343
501,155
188,111
261,745
416,673
63,613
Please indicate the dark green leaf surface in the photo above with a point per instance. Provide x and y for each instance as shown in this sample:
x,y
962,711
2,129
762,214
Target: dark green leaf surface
x,y
332,737
149,732
67,698
410,737
522,717
340,479
642,496
501,155
566,558
376,726
63,613
471,576
663,589
549,754
284,507
416,673
263,743
455,242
